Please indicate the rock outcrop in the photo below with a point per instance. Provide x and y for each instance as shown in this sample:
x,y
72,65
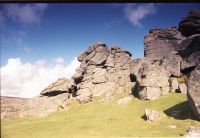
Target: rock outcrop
x,y
170,54
103,71
152,79
160,42
191,24
62,85
193,91
190,52
43,105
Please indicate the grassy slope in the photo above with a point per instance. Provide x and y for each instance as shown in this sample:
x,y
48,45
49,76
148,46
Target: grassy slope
x,y
105,120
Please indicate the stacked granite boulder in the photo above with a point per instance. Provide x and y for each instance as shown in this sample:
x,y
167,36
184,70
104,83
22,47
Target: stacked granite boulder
x,y
103,71
158,43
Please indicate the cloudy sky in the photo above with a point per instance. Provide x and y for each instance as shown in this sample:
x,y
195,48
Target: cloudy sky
x,y
40,42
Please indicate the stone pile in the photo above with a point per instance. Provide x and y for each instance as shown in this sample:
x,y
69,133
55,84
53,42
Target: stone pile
x,y
103,71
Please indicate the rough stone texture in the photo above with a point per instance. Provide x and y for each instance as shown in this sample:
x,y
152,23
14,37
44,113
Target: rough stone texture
x,y
152,93
193,91
172,63
165,90
103,71
190,52
140,67
191,24
124,100
192,132
151,115
160,42
156,76
43,105
173,84
152,78
183,88
62,85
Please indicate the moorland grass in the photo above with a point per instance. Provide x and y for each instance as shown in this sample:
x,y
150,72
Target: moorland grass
x,y
106,120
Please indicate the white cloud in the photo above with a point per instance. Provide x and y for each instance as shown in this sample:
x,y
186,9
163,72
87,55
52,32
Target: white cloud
x,y
58,60
27,80
25,13
136,12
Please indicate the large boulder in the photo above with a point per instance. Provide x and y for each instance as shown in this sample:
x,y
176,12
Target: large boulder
x,y
160,42
62,85
191,24
194,91
190,52
156,76
153,83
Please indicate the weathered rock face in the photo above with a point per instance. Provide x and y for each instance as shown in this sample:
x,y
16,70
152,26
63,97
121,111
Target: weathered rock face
x,y
183,88
190,52
152,79
103,71
193,91
160,42
43,105
191,24
172,63
62,85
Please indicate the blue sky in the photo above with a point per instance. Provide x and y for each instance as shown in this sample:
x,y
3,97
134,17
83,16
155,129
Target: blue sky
x,y
65,30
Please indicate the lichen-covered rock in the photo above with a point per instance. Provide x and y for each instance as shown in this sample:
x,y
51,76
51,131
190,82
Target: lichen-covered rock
x,y
191,24
193,91
160,42
62,85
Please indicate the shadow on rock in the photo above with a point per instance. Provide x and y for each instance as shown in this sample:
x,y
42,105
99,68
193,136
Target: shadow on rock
x,y
180,111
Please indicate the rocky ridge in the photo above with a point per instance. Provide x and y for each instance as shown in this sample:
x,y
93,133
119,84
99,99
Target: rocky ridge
x,y
170,64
